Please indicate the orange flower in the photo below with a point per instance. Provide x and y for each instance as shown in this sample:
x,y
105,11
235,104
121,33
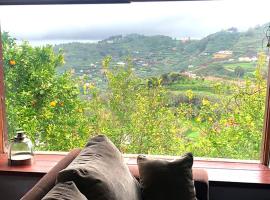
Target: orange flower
x,y
53,103
12,62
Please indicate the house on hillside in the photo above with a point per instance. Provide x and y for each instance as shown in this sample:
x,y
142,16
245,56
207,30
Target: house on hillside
x,y
205,54
189,74
222,54
254,59
93,65
247,59
121,63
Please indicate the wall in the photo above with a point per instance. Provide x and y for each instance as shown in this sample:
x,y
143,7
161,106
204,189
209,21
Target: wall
x,y
235,191
14,186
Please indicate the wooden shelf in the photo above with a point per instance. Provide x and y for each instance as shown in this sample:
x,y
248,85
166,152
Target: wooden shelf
x,y
218,171
42,164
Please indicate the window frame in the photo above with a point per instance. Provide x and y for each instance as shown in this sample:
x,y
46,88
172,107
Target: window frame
x,y
265,144
46,2
3,125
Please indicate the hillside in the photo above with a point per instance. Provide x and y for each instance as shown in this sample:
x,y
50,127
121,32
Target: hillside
x,y
156,55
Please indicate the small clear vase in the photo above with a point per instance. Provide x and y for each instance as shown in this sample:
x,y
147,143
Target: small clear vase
x,y
20,150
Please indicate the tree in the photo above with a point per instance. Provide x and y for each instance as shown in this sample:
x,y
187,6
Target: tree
x,y
232,126
46,105
135,115
239,72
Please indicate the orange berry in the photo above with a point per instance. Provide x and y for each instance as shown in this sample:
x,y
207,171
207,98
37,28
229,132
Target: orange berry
x,y
53,103
12,62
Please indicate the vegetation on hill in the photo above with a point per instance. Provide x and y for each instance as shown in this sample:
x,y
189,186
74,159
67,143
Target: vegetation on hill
x,y
155,55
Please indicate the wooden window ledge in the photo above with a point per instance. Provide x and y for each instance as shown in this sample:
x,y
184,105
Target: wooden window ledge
x,y
41,165
218,171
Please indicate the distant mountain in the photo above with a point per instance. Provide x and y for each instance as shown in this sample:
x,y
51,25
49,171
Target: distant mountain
x,y
155,55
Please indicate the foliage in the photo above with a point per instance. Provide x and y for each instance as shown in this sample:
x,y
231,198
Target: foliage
x,y
44,104
239,71
231,127
135,115
60,112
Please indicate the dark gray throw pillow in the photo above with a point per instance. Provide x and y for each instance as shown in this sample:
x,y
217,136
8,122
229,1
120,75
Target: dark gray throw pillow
x,y
167,180
64,191
100,173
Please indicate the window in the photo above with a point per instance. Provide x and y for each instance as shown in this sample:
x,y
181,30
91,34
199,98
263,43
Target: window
x,y
188,77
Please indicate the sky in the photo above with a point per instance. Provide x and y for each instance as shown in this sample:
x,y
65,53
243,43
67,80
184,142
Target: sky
x,y
95,22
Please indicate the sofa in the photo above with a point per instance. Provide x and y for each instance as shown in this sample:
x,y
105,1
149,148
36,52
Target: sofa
x,y
47,182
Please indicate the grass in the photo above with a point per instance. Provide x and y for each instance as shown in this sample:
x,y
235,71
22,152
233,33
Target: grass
x,y
193,87
190,131
198,87
196,93
249,66
192,134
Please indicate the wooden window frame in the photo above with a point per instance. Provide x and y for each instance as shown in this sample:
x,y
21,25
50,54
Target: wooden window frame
x,y
265,145
46,2
3,127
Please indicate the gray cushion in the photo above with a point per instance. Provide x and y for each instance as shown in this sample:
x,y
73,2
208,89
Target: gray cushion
x,y
47,182
170,180
100,172
64,191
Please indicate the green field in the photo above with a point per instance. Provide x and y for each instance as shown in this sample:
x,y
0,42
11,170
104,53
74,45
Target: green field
x,y
196,86
248,66
200,88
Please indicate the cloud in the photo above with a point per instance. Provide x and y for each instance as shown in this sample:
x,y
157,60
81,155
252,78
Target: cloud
x,y
93,22
170,26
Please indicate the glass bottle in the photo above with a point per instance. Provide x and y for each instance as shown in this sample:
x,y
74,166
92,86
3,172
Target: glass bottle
x,y
20,150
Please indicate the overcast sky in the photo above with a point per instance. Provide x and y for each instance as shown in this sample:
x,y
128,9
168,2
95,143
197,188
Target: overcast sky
x,y
93,22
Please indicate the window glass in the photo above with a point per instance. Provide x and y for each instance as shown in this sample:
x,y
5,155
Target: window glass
x,y
157,78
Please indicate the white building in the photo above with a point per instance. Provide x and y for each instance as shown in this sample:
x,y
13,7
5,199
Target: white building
x,y
121,63
225,52
254,59
189,74
244,59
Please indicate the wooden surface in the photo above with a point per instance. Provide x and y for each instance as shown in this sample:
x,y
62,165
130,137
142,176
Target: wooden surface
x,y
236,172
42,164
231,172
265,148
3,129
47,2
218,171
